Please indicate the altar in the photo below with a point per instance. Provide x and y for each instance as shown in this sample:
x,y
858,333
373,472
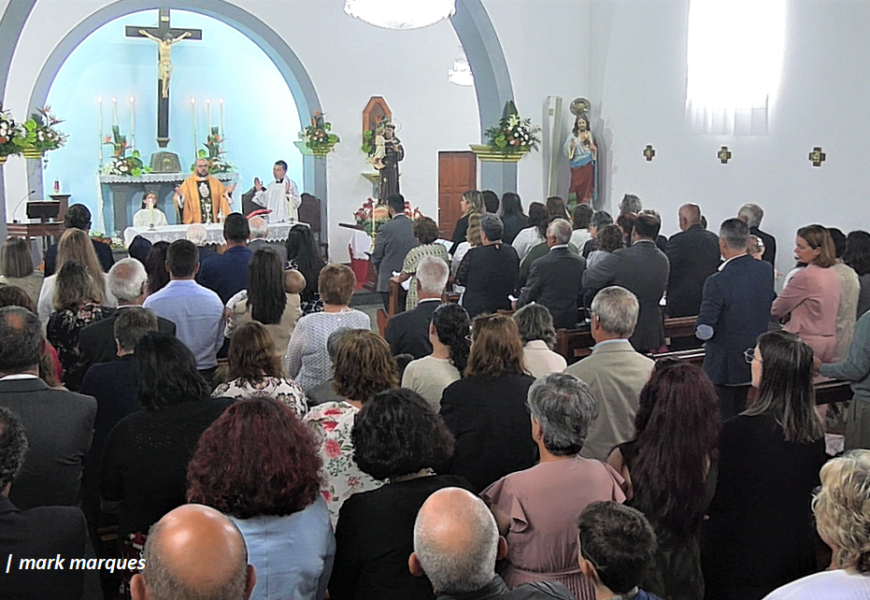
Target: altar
x,y
278,232
123,195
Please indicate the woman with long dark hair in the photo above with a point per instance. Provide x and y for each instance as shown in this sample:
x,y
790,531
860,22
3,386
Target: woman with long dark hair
x,y
304,256
760,535
857,256
486,410
448,333
258,464
265,300
155,266
511,213
670,472
144,466
535,233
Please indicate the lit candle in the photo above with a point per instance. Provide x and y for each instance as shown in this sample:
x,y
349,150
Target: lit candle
x,y
132,124
114,112
223,133
151,212
208,115
195,145
100,127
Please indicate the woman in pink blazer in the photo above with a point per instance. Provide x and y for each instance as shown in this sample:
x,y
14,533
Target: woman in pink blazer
x,y
810,300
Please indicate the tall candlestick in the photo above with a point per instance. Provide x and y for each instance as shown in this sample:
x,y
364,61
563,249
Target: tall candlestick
x,y
114,112
132,124
223,133
195,144
100,127
207,115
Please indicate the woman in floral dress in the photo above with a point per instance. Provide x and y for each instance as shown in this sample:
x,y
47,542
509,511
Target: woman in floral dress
x,y
363,368
255,370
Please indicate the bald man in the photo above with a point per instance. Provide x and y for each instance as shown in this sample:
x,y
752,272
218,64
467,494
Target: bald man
x,y
456,544
694,256
194,552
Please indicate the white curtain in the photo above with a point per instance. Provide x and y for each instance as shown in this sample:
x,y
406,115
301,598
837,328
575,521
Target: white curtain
x,y
735,55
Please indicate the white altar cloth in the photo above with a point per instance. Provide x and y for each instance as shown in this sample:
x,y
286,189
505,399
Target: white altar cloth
x,y
277,233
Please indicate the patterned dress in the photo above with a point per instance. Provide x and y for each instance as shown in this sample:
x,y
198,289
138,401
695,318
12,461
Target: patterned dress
x,y
284,390
311,303
63,333
412,259
332,423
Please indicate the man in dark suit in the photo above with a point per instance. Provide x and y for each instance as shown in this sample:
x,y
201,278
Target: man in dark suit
x,y
408,332
556,279
734,312
60,423
78,217
693,255
751,214
227,274
643,270
37,533
127,280
395,238
259,232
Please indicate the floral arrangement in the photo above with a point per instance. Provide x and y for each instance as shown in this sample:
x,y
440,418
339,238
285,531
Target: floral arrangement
x,y
513,135
371,215
39,133
121,164
116,243
214,154
9,131
317,136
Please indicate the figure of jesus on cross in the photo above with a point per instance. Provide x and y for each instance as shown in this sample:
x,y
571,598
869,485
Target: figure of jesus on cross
x,y
164,60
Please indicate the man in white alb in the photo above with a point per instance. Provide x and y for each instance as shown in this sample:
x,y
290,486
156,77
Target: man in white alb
x,y
281,196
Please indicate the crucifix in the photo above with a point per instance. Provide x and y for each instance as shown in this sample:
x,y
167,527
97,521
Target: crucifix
x,y
166,36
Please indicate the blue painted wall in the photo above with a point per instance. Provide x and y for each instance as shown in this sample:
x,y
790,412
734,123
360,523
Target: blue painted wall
x,y
260,116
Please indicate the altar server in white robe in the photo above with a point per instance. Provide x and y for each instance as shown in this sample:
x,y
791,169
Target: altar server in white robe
x,y
281,196
149,214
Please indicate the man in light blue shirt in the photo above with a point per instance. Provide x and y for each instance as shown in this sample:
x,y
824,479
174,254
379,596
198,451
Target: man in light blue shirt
x,y
197,312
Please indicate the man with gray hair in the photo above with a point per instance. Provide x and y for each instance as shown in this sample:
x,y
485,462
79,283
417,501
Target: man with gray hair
x,y
734,311
614,371
59,423
408,332
751,214
556,279
456,545
259,232
693,254
194,552
127,279
198,234
489,271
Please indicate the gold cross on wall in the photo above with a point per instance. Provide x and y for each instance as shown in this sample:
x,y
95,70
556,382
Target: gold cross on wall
x,y
817,156
724,155
649,152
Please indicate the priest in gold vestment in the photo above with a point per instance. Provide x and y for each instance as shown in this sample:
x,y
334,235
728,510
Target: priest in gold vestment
x,y
202,198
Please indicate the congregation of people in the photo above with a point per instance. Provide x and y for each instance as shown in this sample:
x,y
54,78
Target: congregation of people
x,y
225,425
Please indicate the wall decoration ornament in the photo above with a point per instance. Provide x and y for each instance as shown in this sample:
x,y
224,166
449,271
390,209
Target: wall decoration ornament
x,y
649,152
724,155
817,157
400,14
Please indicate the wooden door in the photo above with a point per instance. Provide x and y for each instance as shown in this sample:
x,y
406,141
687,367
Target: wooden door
x,y
457,173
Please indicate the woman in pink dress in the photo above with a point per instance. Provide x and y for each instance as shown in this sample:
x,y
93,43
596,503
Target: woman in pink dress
x,y
536,509
810,301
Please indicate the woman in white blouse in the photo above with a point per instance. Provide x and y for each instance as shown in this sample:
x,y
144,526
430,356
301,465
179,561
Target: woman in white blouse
x,y
533,235
539,337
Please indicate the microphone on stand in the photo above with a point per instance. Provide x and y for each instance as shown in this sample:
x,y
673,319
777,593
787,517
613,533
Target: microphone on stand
x,y
20,202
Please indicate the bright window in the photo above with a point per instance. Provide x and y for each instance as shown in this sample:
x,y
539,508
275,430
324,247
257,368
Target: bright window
x,y
735,55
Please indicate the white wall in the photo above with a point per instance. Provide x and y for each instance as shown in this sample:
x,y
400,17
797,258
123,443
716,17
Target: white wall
x,y
639,72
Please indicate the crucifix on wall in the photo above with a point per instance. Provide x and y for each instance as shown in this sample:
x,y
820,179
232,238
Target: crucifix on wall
x,y
166,36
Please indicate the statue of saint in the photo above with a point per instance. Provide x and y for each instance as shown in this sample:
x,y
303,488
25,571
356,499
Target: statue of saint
x,y
582,156
393,153
164,60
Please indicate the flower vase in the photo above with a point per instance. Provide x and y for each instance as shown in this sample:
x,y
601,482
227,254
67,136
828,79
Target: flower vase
x,y
488,154
322,151
32,153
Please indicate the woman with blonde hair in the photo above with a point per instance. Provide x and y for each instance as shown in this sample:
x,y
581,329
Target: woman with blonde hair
x,y
364,367
842,510
486,410
16,267
76,305
471,203
75,246
255,370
